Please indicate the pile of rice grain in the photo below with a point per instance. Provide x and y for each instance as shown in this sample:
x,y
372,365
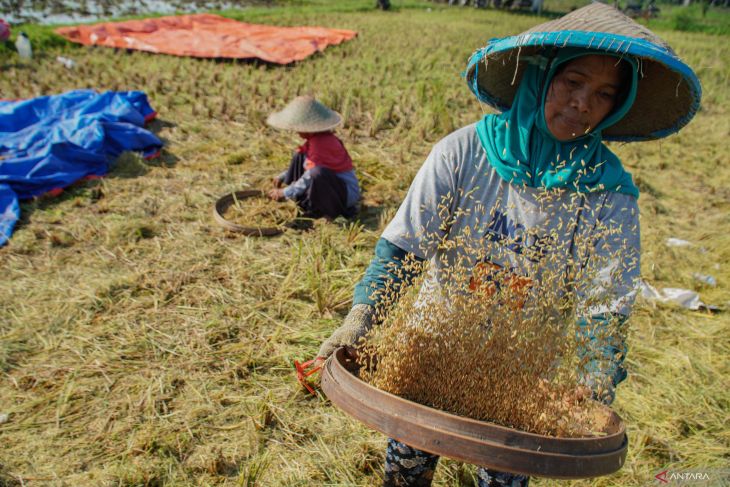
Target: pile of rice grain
x,y
260,212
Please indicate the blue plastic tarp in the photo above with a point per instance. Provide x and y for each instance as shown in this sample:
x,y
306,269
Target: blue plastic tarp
x,y
50,142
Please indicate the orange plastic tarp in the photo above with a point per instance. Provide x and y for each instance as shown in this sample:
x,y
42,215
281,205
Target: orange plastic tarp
x,y
210,36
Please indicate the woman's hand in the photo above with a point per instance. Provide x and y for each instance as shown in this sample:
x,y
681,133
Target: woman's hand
x,y
356,325
278,183
276,194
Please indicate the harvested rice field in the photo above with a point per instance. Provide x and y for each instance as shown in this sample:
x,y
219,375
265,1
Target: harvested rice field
x,y
143,345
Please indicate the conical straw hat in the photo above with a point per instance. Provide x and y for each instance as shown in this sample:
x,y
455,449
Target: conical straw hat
x,y
305,114
668,93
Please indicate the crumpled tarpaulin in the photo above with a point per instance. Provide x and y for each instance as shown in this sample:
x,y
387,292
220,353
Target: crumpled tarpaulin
x,y
209,36
47,143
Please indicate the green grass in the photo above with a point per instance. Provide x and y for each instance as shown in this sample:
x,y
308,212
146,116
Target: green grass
x,y
141,345
694,18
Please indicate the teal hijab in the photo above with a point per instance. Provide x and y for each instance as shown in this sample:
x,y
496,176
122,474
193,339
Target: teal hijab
x,y
522,150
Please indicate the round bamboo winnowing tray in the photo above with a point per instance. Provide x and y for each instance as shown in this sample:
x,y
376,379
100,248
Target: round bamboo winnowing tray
x,y
223,203
471,441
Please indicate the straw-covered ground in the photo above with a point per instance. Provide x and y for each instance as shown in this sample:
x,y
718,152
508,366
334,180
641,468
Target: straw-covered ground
x,y
141,345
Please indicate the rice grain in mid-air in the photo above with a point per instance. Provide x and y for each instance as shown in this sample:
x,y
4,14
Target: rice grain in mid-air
x,y
493,345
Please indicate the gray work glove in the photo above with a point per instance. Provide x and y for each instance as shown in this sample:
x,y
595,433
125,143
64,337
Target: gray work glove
x,y
357,323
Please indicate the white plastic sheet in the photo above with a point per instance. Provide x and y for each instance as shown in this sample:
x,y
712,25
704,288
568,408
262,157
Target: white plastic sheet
x,y
678,242
683,297
705,279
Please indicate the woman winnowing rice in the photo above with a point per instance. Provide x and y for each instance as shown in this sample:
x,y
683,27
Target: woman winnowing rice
x,y
563,87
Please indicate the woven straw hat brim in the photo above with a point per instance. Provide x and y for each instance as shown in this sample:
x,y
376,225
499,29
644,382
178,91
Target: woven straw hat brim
x,y
305,114
668,93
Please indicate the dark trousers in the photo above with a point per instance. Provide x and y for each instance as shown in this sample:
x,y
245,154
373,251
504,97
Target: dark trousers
x,y
407,467
326,195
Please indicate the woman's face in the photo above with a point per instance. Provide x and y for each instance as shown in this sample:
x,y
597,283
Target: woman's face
x,y
581,95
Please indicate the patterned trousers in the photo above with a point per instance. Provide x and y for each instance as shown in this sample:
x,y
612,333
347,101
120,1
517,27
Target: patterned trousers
x,y
408,467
